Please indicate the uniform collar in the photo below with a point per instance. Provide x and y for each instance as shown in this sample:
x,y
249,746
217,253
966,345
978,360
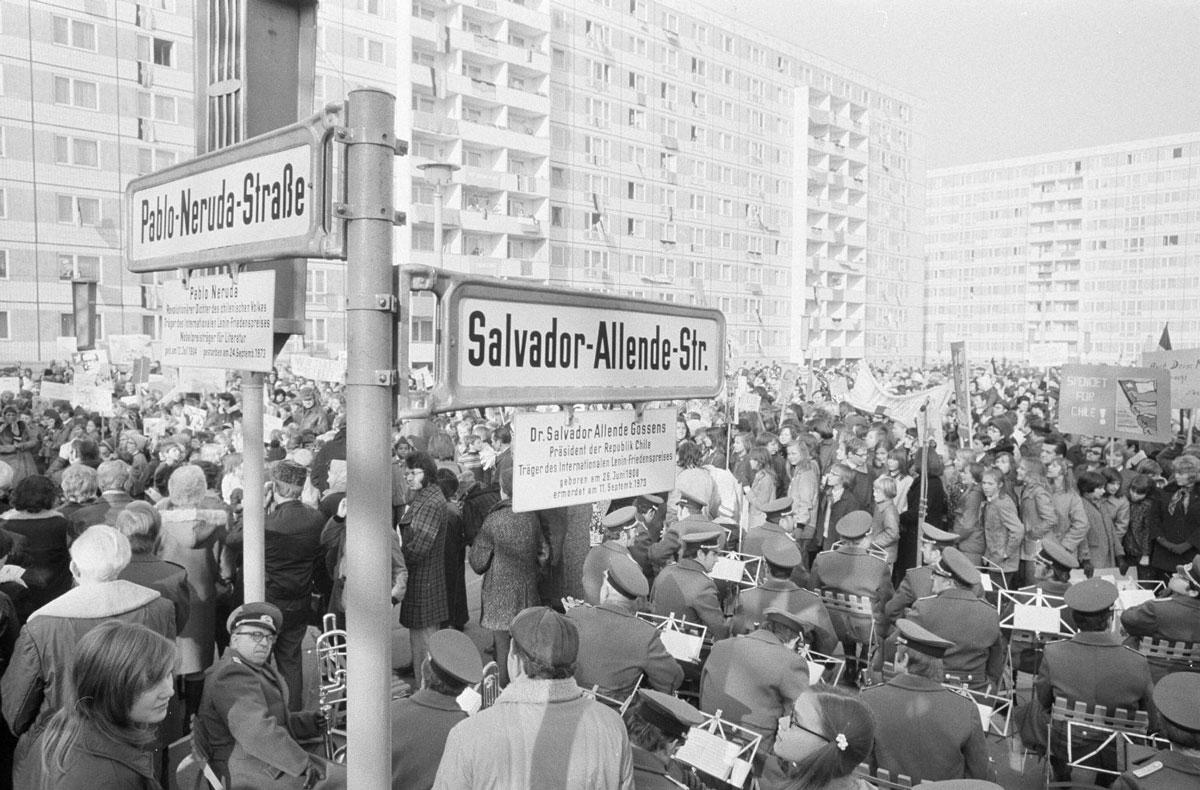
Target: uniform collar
x,y
646,762
779,585
1099,638
427,698
691,564
914,683
763,635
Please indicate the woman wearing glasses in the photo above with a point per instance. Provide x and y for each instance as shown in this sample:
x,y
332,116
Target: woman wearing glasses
x,y
821,742
244,728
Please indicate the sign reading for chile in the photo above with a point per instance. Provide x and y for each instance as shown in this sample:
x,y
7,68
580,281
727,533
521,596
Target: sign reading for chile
x,y
524,345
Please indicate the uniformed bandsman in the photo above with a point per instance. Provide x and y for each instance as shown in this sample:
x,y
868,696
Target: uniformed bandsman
x,y
1054,564
1174,619
955,613
691,508
685,589
420,723
924,730
918,582
778,524
658,724
852,567
615,647
781,556
1177,699
1091,667
754,679
619,527
648,507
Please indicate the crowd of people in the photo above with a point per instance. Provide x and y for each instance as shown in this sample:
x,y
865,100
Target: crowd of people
x,y
122,626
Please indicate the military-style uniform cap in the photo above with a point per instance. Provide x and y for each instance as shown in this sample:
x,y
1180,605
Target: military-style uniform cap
x,y
670,714
783,552
778,506
960,784
1091,595
546,635
792,620
1177,697
930,532
921,639
705,539
456,655
259,613
1191,572
1055,553
854,525
955,565
726,521
692,492
619,519
626,577
652,500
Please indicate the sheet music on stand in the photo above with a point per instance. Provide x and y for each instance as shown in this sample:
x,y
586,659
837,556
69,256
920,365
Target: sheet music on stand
x,y
1034,611
819,664
683,639
741,569
995,712
720,749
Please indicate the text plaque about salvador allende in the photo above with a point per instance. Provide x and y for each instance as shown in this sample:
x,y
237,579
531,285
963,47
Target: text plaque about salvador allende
x,y
563,459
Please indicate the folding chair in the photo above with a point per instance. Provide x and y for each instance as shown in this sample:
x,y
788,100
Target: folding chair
x,y
619,704
883,778
188,771
853,618
489,686
1086,737
1168,657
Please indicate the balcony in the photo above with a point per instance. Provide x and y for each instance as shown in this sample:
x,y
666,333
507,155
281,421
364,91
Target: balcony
x,y
522,13
425,30
525,269
435,124
523,99
486,179
423,213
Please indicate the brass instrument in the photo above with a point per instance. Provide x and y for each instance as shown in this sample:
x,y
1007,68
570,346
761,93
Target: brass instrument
x,y
331,668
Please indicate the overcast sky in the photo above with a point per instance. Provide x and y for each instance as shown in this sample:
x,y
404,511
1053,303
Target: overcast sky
x,y
1005,78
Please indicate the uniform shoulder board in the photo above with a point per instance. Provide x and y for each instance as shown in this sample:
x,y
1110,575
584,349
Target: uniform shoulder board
x,y
1148,769
927,597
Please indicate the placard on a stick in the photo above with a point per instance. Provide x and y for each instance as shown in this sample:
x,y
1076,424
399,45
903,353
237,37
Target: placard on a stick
x,y
1116,402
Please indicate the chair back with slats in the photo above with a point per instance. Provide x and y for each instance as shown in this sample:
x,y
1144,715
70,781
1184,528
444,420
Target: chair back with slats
x,y
883,778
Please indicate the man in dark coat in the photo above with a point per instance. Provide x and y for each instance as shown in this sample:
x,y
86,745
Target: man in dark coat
x,y
244,728
972,625
112,480
923,729
293,547
618,529
685,589
420,723
140,524
1173,619
615,647
918,581
781,557
1091,667
754,679
1177,700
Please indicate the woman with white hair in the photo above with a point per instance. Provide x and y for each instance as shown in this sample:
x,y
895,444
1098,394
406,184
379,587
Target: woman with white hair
x,y
191,536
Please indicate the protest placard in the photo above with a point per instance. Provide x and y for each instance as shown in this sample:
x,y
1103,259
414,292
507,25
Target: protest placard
x,y
1116,402
1184,367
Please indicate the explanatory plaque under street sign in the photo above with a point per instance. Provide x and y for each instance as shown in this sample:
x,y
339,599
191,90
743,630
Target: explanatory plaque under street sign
x,y
220,322
596,455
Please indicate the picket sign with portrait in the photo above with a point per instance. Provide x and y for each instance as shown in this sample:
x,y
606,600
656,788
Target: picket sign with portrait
x,y
1116,402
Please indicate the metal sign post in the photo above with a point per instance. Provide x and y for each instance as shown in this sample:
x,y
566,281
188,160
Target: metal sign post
x,y
370,312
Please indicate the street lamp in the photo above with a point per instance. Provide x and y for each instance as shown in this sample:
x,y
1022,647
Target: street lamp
x,y
439,174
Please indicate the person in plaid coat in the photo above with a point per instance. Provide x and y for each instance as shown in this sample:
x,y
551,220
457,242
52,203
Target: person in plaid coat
x,y
423,534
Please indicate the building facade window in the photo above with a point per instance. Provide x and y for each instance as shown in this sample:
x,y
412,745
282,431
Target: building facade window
x,y
76,93
76,210
4,333
78,151
74,33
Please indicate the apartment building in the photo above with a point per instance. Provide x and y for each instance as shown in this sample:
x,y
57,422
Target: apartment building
x,y
1078,255
696,160
92,94
650,149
